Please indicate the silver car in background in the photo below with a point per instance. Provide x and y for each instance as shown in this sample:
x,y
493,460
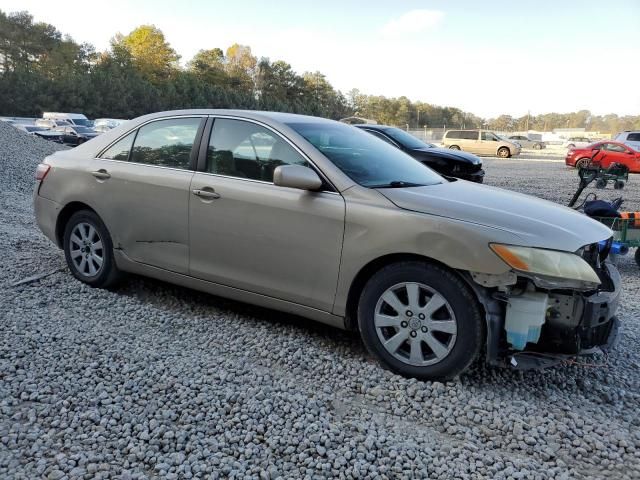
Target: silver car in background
x,y
323,220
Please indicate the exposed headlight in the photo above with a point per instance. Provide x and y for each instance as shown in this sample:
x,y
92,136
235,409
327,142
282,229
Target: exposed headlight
x,y
547,263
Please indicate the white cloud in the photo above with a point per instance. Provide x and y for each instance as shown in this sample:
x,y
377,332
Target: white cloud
x,y
413,22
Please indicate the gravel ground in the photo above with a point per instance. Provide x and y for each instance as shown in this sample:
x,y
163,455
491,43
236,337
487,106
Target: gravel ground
x,y
156,381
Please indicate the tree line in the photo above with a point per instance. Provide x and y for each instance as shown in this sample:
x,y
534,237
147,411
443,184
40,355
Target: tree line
x,y
43,70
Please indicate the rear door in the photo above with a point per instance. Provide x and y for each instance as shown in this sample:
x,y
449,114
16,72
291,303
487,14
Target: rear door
x,y
142,190
247,233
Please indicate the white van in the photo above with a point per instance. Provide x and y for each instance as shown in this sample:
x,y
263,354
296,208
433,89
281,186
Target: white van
x,y
72,118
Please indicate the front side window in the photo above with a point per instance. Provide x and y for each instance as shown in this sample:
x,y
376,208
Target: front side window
x,y
612,147
120,149
246,150
166,143
364,158
489,137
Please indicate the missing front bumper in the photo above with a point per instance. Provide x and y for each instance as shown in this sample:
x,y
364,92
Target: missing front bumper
x,y
590,327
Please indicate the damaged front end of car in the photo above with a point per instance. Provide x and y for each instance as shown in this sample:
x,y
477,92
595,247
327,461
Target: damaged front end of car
x,y
551,306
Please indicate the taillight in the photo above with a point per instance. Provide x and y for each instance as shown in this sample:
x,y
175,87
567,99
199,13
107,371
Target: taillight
x,y
42,170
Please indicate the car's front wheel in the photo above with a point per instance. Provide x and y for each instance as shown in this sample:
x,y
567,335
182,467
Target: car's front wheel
x,y
503,152
454,147
420,320
89,251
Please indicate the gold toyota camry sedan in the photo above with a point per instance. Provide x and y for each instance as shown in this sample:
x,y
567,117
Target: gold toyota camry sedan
x,y
317,218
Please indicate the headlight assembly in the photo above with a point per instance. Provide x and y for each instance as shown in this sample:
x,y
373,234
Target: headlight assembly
x,y
549,264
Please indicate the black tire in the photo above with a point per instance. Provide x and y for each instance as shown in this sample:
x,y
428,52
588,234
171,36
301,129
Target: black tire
x,y
537,146
570,146
454,147
583,162
637,256
461,300
107,273
601,183
618,185
503,152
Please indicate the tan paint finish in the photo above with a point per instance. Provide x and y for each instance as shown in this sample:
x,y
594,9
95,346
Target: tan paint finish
x,y
284,248
276,241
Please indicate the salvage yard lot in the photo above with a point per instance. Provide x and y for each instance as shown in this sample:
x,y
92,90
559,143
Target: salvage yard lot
x,y
156,380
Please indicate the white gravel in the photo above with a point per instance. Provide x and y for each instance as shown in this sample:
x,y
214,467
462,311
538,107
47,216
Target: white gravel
x,y
156,381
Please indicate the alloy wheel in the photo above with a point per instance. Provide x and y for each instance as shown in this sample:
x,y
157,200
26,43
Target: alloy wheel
x,y
415,324
86,250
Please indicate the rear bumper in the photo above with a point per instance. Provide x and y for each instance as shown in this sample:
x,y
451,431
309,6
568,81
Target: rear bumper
x,y
46,212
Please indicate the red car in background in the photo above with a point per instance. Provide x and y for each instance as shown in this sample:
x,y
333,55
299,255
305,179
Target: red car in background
x,y
604,153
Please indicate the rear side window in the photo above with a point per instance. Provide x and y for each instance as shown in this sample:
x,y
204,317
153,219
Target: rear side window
x,y
119,150
166,143
469,135
612,147
633,137
246,150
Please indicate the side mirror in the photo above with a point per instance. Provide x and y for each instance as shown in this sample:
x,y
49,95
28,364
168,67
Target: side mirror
x,y
296,176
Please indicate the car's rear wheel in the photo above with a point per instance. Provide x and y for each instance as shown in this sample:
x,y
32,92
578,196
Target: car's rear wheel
x,y
537,146
583,162
503,152
89,251
420,320
454,147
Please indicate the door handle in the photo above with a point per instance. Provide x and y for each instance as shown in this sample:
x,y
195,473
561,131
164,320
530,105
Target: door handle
x,y
206,193
101,174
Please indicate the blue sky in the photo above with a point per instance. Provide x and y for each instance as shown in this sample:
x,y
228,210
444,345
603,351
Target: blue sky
x,y
487,57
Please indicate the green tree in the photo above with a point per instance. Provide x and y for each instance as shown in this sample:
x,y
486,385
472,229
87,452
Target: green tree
x,y
151,52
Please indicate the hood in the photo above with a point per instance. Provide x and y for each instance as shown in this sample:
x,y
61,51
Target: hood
x,y
48,134
453,155
539,223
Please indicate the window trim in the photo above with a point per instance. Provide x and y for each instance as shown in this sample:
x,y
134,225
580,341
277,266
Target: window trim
x,y
135,130
206,138
389,140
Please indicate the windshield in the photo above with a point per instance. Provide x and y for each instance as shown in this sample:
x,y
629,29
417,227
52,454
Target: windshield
x,y
367,160
83,130
406,139
82,121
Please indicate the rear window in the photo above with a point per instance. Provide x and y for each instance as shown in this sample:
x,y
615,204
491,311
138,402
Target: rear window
x,y
634,137
463,134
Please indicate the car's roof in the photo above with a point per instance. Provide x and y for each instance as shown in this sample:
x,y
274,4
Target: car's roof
x,y
280,117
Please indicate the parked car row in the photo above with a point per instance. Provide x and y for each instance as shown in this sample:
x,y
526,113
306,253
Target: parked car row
x,y
446,162
68,128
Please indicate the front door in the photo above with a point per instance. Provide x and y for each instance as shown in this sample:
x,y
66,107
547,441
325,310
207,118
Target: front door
x,y
613,153
488,143
247,233
142,191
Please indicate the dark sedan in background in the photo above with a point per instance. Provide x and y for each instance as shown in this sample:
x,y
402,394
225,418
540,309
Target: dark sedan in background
x,y
39,132
76,135
453,163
